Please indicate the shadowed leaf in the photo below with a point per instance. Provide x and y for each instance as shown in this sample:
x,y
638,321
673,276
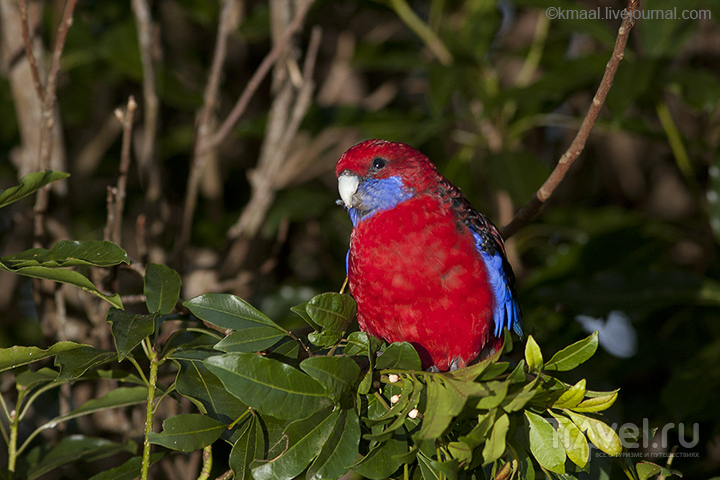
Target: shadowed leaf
x,y
188,432
29,184
161,289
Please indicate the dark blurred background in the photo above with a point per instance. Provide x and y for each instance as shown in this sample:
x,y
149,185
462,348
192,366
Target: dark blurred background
x,y
493,92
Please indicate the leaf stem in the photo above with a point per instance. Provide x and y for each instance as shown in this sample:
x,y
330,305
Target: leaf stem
x,y
12,445
207,463
154,364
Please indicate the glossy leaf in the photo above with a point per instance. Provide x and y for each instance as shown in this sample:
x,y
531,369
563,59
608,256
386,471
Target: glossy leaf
x,y
339,451
29,184
336,374
305,439
601,435
249,446
17,356
70,277
574,441
68,253
250,339
596,404
495,446
533,355
332,311
129,329
227,311
382,460
269,386
360,343
74,363
572,396
398,356
573,355
161,288
74,448
188,432
545,443
196,382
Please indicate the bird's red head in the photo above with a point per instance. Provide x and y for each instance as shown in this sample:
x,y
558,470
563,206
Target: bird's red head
x,y
383,159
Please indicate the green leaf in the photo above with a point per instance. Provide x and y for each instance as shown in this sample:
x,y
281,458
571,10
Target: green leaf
x,y
496,444
332,311
74,363
304,440
29,184
597,432
301,310
469,374
517,399
161,289
77,447
533,355
336,374
596,404
129,330
269,386
545,443
119,397
444,401
325,338
494,396
433,469
69,277
188,432
340,450
360,343
16,356
382,459
227,311
572,396
129,470
399,356
646,470
574,441
196,382
68,253
250,339
249,446
573,355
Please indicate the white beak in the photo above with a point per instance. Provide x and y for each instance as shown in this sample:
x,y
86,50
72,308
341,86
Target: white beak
x,y
347,186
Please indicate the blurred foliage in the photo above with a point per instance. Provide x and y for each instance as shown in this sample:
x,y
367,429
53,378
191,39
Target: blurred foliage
x,y
634,227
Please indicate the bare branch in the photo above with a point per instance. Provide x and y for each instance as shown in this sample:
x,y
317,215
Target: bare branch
x,y
29,51
525,214
121,193
258,77
141,10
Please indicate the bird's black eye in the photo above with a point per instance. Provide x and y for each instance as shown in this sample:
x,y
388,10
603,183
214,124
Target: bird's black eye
x,y
378,163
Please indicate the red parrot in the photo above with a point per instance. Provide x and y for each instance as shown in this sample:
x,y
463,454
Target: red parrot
x,y
424,266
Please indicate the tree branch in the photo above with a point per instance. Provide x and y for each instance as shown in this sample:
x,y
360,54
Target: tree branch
x,y
527,212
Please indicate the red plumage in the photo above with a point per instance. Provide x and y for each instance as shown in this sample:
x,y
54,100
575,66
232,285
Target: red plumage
x,y
414,267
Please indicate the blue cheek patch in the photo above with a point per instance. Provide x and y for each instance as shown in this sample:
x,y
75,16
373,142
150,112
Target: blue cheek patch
x,y
377,195
506,312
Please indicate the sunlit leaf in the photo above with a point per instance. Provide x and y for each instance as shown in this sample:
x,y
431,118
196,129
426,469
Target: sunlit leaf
x,y
227,311
572,396
533,355
573,355
545,443
574,441
496,444
598,432
269,386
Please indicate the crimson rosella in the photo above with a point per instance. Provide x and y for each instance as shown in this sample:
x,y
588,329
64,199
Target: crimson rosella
x,y
424,266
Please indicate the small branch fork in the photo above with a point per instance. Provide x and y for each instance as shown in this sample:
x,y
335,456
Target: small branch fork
x,y
529,210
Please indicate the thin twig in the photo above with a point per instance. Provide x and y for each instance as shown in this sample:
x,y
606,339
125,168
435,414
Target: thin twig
x,y
127,121
48,117
29,51
258,77
141,10
525,214
205,116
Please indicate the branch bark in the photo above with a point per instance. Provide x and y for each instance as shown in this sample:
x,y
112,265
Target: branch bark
x,y
529,210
